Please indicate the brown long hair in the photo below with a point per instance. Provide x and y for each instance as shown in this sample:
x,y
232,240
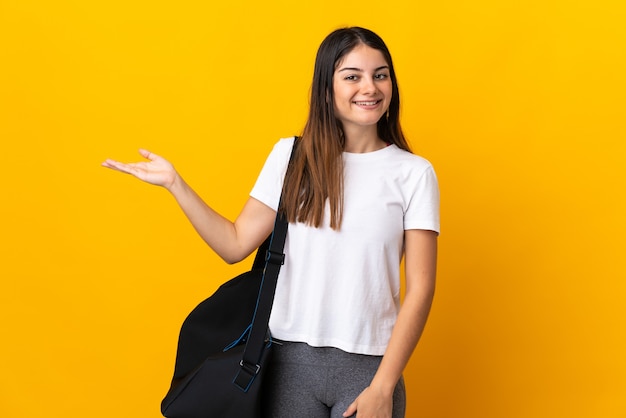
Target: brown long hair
x,y
315,173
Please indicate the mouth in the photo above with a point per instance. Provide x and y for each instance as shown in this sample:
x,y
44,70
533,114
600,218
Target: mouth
x,y
367,102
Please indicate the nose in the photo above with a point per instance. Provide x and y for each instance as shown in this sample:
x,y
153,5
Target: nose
x,y
369,85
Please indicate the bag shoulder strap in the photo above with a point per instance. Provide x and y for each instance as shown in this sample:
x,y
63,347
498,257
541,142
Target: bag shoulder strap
x,y
274,259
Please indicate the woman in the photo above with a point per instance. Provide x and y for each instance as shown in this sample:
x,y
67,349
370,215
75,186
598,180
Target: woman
x,y
357,201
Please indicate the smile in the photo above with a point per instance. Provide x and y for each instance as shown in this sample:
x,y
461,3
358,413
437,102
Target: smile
x,y
368,103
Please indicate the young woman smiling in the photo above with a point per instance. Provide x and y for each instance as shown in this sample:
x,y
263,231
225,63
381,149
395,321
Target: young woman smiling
x,y
357,201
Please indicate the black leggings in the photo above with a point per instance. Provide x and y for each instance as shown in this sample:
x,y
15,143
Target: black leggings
x,y
319,382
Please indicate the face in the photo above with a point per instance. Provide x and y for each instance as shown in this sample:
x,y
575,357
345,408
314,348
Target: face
x,y
362,87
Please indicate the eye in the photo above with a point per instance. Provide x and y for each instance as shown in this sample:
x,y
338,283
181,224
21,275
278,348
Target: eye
x,y
351,77
381,76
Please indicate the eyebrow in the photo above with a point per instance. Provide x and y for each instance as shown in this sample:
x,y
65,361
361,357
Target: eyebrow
x,y
360,70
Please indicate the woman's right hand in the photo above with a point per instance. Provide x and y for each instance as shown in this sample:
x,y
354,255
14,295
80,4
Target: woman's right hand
x,y
157,170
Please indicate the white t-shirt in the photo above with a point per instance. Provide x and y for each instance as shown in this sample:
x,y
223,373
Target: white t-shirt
x,y
342,288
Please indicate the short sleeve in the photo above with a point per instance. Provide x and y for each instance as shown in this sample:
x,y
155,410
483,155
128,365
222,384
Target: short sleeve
x,y
269,183
423,209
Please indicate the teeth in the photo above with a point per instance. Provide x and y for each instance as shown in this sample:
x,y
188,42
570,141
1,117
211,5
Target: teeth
x,y
367,103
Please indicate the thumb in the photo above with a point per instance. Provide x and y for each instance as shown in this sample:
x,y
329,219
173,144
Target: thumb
x,y
147,154
351,410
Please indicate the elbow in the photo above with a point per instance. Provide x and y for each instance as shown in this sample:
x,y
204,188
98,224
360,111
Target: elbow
x,y
233,257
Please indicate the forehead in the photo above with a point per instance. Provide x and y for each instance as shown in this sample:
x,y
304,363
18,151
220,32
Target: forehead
x,y
362,57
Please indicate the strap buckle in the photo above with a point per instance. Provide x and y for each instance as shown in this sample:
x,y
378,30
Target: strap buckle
x,y
246,375
275,258
250,368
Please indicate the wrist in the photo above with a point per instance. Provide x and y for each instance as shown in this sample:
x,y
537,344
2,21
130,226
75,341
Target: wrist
x,y
383,386
176,185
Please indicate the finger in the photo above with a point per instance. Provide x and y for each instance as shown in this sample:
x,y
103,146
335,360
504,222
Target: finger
x,y
107,163
147,154
351,410
116,165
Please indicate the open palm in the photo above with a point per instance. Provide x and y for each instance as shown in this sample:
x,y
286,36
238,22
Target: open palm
x,y
157,170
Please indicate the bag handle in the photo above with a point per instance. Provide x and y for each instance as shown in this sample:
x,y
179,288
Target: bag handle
x,y
274,259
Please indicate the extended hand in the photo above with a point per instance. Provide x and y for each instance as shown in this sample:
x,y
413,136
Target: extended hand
x,y
157,170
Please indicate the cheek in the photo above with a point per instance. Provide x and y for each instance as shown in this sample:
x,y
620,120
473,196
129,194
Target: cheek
x,y
340,98
388,90
338,92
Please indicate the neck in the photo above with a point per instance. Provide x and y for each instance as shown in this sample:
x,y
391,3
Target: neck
x,y
360,141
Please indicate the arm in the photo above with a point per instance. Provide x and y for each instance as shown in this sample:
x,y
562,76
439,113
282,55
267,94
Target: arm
x,y
420,263
233,241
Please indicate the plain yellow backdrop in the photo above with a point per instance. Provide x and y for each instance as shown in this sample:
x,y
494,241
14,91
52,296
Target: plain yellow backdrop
x,y
519,105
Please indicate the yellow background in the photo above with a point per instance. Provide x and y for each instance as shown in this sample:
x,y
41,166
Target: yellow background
x,y
519,105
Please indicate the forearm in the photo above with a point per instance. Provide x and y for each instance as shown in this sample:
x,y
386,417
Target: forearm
x,y
420,272
405,336
217,231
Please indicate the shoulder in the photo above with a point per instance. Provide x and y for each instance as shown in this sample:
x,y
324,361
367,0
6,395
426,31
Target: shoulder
x,y
406,160
279,155
284,145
